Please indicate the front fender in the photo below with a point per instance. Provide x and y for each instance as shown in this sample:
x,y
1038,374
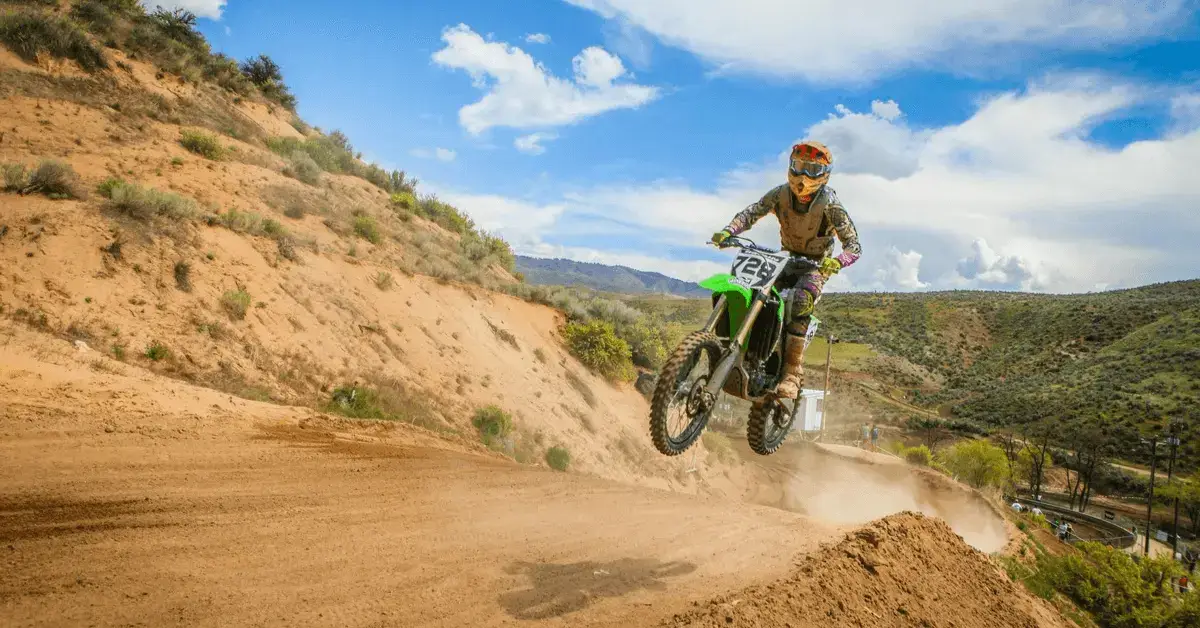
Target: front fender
x,y
722,283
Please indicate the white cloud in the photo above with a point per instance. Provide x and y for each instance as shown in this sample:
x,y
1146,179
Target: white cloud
x,y
532,144
521,223
985,268
870,143
1014,197
521,93
537,38
202,8
900,271
440,154
859,39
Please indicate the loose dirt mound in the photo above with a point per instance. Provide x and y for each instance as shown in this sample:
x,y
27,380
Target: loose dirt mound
x,y
903,570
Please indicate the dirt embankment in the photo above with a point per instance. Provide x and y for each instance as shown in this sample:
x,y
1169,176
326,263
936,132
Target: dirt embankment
x,y
904,570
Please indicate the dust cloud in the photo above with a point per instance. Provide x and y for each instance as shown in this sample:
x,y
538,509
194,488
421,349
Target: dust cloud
x,y
844,487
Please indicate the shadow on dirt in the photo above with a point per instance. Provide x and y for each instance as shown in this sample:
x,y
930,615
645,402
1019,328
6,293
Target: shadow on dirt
x,y
29,517
560,589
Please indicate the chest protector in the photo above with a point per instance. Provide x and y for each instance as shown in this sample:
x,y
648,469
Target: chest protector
x,y
801,228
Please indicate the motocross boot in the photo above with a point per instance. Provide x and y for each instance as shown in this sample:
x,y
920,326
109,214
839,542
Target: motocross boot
x,y
793,369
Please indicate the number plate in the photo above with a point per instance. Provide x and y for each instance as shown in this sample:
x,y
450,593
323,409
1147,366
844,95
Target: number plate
x,y
757,269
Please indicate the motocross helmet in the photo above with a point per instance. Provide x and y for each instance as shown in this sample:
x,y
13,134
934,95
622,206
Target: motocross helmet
x,y
809,168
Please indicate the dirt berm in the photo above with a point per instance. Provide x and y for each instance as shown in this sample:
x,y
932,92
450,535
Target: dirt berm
x,y
903,570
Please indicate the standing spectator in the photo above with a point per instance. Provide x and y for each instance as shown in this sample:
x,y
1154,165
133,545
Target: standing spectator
x,y
874,438
866,435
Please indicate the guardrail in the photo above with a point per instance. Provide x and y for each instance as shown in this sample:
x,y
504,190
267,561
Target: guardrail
x,y
1118,537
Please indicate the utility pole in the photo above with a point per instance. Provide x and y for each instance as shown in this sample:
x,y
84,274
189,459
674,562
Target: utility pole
x,y
825,392
1150,502
1174,440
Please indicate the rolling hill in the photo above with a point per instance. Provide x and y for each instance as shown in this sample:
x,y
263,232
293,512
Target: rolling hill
x,y
619,279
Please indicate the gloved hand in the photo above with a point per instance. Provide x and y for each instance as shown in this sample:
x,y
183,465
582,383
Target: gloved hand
x,y
721,236
830,266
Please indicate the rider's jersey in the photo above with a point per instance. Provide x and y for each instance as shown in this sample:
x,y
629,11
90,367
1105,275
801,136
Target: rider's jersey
x,y
806,227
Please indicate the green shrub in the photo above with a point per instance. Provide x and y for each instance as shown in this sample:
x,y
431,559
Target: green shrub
x,y
55,179
384,399
558,458
30,34
106,188
494,425
241,222
1116,589
157,351
596,345
977,462
236,303
52,178
118,351
16,177
919,455
302,168
404,200
146,203
272,229
203,144
366,228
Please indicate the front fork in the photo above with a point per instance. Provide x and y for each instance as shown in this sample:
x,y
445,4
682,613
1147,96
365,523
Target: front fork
x,y
731,359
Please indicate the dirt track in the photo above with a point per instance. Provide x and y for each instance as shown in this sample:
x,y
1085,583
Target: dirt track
x,y
154,503
133,500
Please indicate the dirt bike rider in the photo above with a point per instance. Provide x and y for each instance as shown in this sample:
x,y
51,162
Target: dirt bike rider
x,y
810,215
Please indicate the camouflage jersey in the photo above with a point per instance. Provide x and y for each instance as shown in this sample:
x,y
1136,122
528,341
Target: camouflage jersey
x,y
800,229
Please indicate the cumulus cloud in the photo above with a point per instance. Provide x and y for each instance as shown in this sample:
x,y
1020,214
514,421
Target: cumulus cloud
x,y
202,8
521,93
532,144
899,271
878,142
537,38
859,39
1014,197
986,268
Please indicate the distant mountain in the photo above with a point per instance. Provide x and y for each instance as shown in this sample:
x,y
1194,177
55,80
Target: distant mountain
x,y
620,279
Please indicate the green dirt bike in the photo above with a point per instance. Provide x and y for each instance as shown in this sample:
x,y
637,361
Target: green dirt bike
x,y
740,351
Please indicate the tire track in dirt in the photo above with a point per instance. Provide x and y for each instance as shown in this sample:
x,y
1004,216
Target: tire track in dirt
x,y
276,524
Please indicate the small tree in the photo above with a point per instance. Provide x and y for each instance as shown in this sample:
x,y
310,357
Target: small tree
x,y
262,70
977,462
932,431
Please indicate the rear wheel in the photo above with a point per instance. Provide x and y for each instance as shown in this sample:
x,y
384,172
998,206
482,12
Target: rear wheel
x,y
768,426
681,405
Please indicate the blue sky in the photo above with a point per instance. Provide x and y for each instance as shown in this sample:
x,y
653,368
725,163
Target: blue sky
x,y
1000,144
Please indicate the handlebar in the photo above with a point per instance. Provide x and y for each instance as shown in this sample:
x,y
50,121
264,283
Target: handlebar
x,y
741,242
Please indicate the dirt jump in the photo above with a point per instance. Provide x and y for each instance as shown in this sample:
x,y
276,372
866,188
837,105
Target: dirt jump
x,y
129,499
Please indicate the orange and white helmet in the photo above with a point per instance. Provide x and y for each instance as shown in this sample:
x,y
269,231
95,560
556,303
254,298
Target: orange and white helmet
x,y
809,167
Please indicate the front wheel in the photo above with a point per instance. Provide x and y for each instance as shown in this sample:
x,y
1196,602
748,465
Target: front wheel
x,y
768,426
681,405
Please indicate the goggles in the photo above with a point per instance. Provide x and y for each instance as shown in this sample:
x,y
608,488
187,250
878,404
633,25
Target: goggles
x,y
809,168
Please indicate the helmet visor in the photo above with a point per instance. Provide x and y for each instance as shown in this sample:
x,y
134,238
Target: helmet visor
x,y
809,168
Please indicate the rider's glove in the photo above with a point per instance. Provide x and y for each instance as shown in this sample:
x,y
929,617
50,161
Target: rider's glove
x,y
721,236
830,266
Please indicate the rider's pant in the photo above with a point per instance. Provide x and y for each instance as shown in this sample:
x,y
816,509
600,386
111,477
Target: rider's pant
x,y
804,300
